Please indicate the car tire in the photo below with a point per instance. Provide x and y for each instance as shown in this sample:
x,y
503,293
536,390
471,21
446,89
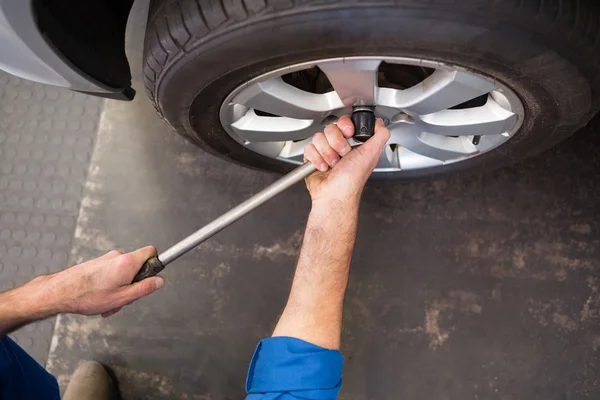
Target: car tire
x,y
547,52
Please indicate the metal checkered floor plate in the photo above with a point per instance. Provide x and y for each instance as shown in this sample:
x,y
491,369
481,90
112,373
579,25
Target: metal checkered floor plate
x,y
47,137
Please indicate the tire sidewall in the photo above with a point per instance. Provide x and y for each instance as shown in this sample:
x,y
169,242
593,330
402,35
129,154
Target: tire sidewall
x,y
191,90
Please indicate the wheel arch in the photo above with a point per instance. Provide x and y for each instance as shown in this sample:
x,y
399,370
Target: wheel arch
x,y
90,36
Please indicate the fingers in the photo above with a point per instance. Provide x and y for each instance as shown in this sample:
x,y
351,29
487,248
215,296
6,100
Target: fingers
x,y
375,144
326,148
328,154
381,132
141,255
110,254
130,293
336,139
312,155
140,289
346,126
130,263
111,312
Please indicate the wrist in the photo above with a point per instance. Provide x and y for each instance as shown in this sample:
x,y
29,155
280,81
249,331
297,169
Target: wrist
x,y
349,204
27,303
41,297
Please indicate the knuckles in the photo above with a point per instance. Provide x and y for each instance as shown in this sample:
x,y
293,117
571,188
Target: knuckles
x,y
332,130
124,260
152,249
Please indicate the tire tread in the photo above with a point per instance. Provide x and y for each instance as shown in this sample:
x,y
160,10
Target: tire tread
x,y
200,19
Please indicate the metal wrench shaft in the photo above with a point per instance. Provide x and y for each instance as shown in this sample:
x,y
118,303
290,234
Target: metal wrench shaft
x,y
236,213
156,264
363,119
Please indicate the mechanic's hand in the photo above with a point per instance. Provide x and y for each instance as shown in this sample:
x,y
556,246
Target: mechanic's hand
x,y
103,286
345,182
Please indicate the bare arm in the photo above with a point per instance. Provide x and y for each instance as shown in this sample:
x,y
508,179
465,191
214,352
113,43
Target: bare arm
x,y
100,286
314,309
25,304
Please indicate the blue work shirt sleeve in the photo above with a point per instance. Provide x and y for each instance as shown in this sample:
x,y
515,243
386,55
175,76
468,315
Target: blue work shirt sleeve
x,y
285,368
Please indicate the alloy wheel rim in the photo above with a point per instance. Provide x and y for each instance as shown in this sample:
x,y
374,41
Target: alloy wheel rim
x,y
449,116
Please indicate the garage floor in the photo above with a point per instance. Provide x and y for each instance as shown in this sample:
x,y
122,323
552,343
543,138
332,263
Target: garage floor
x,y
47,138
479,286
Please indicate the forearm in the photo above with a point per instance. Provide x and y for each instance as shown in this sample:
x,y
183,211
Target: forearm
x,y
100,286
30,302
314,309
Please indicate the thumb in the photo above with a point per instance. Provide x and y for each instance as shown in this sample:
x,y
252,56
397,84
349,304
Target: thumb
x,y
140,289
372,148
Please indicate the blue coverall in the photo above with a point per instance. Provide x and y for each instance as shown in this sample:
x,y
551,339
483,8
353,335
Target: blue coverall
x,y
282,368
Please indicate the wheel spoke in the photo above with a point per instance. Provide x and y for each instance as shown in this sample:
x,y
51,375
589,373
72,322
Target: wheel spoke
x,y
442,148
388,160
411,160
255,128
279,98
442,90
294,150
355,81
489,119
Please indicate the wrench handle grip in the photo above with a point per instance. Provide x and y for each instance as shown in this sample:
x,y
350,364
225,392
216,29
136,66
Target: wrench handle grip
x,y
151,267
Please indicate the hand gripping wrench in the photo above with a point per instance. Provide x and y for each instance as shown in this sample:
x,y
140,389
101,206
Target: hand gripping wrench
x,y
363,118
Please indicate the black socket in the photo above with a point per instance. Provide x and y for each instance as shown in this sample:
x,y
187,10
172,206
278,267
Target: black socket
x,y
363,119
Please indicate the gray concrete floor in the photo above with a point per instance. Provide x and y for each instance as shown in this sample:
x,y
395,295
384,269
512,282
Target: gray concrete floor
x,y
481,286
